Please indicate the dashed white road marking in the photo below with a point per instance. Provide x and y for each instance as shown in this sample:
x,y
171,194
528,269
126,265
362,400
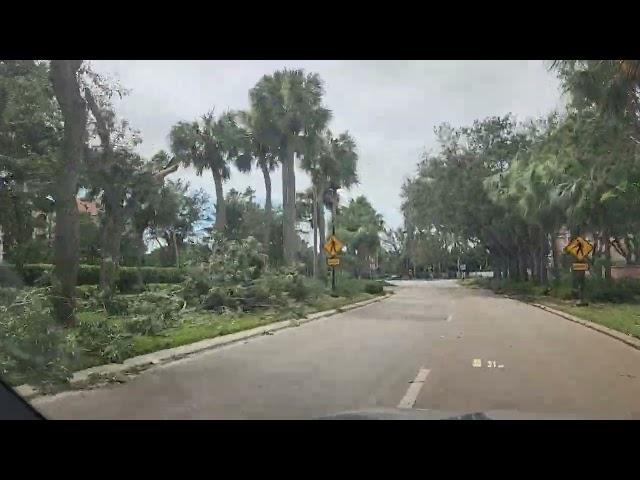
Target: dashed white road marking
x,y
414,389
449,317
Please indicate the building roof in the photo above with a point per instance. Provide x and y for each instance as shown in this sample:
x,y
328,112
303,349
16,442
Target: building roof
x,y
92,208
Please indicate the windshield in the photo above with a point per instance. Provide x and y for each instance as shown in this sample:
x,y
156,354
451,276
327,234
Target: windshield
x,y
320,239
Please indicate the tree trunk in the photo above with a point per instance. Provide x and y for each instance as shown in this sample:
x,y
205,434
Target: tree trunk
x,y
141,249
322,240
221,214
175,249
316,269
289,208
267,205
556,257
110,246
607,255
544,253
66,88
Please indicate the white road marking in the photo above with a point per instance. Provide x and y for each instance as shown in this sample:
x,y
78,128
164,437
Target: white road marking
x,y
449,317
414,389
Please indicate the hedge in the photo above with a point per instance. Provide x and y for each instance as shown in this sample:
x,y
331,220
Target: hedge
x,y
32,274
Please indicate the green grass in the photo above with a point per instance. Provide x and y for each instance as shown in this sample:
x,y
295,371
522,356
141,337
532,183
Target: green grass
x,y
623,317
198,326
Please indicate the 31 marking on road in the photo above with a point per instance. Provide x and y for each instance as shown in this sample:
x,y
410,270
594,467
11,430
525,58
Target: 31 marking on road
x,y
414,389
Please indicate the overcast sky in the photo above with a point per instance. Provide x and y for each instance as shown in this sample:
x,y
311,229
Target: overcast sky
x,y
390,108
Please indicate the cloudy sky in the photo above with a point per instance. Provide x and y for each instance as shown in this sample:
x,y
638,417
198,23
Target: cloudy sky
x,y
390,107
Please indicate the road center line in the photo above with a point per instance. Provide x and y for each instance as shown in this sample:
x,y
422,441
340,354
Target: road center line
x,y
414,389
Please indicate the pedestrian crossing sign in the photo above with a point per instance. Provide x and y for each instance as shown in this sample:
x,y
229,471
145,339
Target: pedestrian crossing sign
x,y
579,248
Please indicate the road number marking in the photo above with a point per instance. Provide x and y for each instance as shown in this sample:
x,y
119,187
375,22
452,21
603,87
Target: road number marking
x,y
414,389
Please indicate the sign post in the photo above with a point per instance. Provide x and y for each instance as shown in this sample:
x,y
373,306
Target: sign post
x,y
332,247
580,249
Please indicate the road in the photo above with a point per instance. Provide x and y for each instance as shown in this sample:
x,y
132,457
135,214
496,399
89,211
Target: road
x,y
415,349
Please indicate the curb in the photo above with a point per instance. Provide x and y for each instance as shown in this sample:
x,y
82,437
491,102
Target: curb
x,y
160,357
628,339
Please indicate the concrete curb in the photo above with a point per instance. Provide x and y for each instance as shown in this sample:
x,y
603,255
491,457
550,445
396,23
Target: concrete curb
x,y
628,339
170,354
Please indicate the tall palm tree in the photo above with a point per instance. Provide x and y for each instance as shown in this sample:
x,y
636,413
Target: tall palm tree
x,y
332,164
212,144
263,139
290,103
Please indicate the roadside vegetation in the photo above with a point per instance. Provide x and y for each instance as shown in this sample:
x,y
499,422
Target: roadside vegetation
x,y
105,255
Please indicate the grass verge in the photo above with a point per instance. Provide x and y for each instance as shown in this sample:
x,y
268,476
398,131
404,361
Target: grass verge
x,y
623,317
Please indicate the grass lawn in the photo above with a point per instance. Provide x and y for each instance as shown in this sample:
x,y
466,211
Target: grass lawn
x,y
623,317
202,325
100,338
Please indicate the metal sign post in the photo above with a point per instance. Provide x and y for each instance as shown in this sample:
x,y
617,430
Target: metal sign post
x,y
580,249
332,247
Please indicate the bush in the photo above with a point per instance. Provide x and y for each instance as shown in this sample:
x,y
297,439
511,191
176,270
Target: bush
x,y
298,290
9,277
40,274
33,347
103,339
349,287
8,295
614,291
374,288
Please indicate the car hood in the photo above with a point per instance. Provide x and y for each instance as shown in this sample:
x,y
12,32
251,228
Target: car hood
x,y
417,414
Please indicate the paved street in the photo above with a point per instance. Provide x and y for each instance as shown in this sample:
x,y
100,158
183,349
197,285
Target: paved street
x,y
415,349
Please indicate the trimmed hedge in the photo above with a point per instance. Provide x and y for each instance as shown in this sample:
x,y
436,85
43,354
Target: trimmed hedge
x,y
373,288
40,274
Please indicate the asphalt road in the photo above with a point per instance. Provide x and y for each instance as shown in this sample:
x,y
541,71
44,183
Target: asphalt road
x,y
415,350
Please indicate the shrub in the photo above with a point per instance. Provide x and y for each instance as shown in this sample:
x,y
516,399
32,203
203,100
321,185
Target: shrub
x,y
9,277
103,339
8,295
298,290
601,290
349,287
374,288
33,347
40,274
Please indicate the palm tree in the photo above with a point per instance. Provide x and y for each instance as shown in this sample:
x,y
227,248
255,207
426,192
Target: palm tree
x,y
289,102
212,144
263,140
332,165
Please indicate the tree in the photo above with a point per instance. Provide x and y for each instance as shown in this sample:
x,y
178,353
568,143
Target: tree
x,y
176,216
30,133
112,172
360,227
290,101
332,164
213,144
66,86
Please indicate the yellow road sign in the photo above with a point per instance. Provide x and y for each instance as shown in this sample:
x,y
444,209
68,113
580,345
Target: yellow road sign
x,y
333,261
580,267
579,248
332,246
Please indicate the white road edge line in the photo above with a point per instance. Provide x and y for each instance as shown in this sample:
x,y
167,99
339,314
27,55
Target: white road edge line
x,y
414,389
